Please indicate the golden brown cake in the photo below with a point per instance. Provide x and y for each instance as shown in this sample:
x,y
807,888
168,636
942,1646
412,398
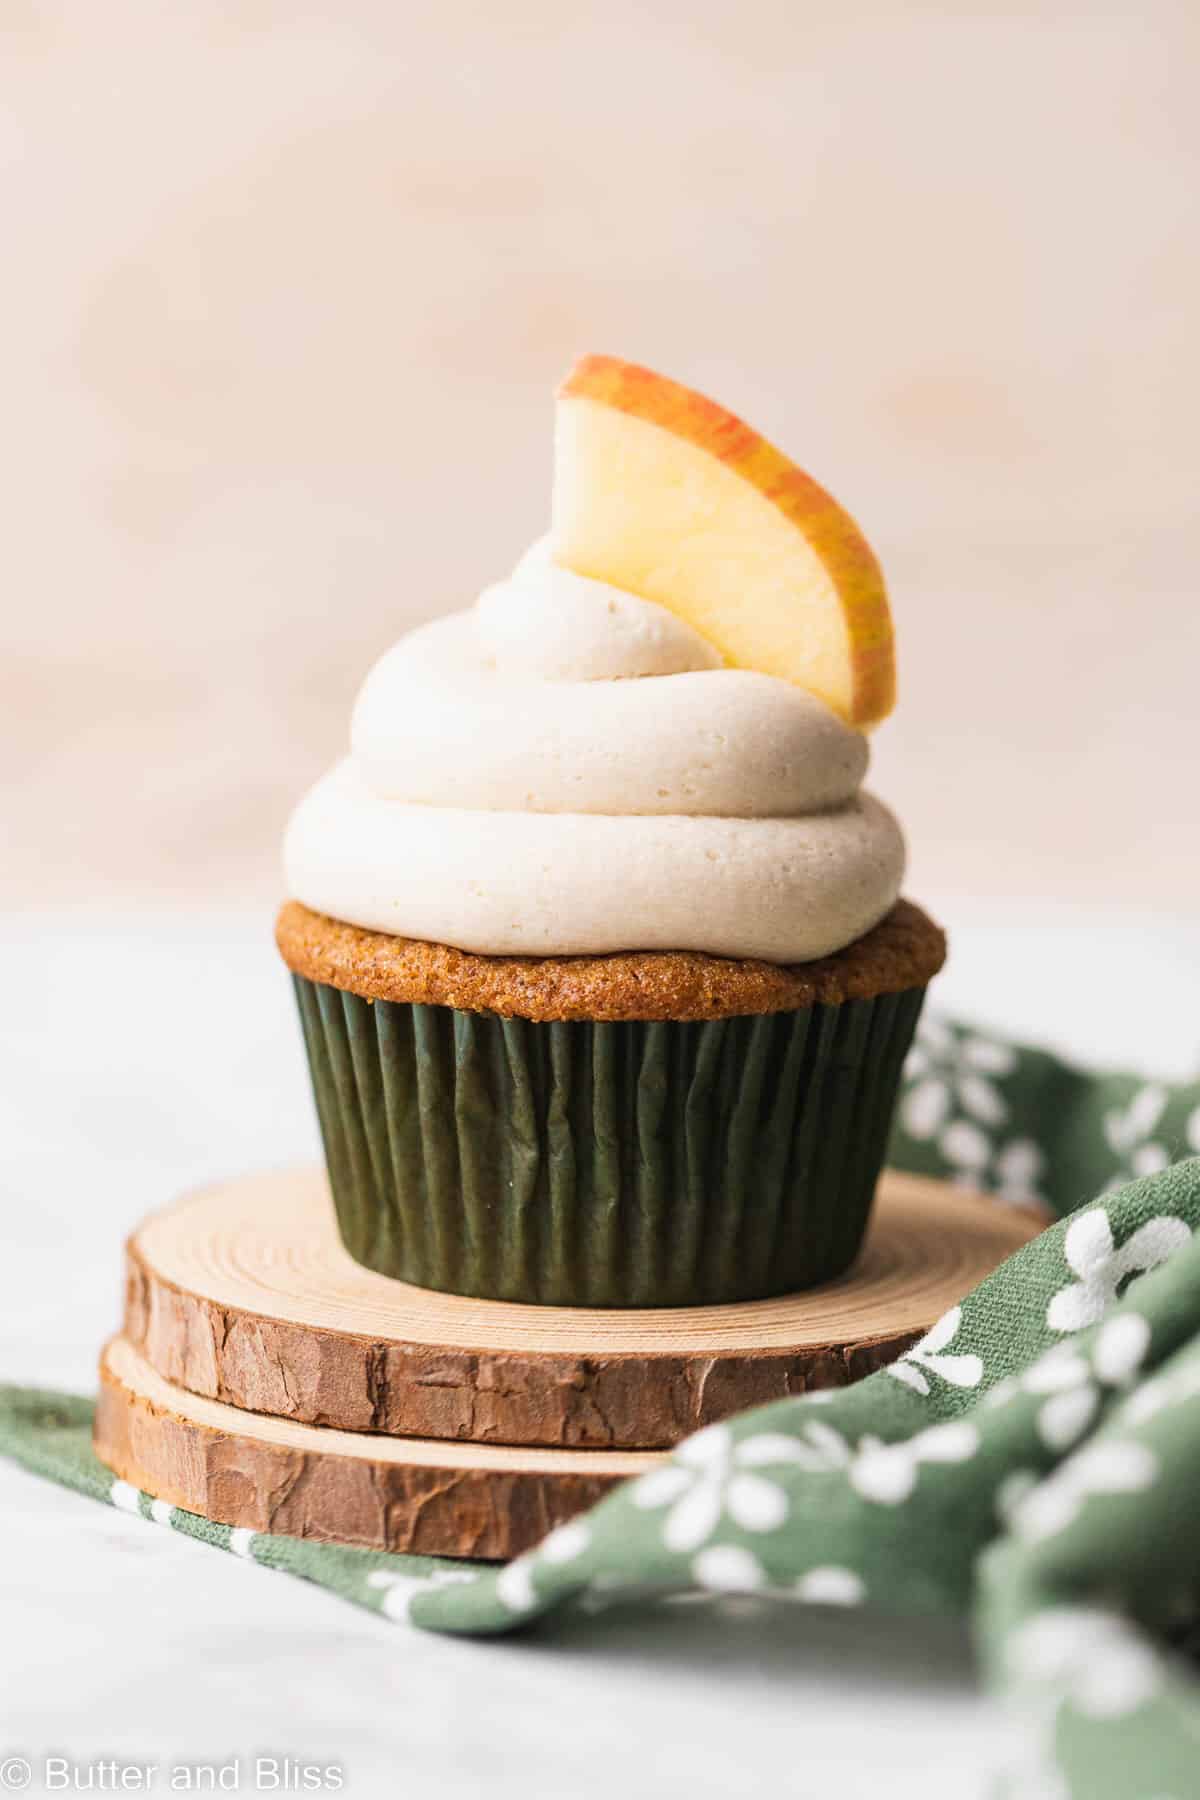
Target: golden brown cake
x,y
905,950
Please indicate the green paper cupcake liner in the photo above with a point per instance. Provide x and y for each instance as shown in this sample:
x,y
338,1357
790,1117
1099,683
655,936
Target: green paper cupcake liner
x,y
604,1164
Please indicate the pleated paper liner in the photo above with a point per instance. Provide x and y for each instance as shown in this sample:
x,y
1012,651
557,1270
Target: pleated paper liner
x,y
604,1164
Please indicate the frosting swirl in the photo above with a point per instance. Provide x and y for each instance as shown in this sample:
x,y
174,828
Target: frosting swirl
x,y
569,769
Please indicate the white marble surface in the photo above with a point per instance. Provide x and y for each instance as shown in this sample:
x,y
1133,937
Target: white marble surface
x,y
150,1053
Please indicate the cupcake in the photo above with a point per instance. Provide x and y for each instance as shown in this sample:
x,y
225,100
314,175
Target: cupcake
x,y
604,977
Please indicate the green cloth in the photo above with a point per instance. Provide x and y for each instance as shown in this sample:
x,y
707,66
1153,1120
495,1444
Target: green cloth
x,y
1033,1463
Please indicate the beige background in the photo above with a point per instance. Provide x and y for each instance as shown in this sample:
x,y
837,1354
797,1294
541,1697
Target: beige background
x,y
287,288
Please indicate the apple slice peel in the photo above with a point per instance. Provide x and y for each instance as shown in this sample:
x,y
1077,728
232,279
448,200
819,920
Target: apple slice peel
x,y
662,492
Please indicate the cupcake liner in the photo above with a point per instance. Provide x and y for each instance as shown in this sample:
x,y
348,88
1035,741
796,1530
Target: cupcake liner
x,y
604,1164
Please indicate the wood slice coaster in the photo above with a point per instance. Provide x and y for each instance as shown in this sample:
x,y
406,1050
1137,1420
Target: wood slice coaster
x,y
243,1294
433,1498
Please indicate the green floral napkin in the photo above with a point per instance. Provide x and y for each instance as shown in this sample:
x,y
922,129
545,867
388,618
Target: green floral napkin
x,y
1033,1463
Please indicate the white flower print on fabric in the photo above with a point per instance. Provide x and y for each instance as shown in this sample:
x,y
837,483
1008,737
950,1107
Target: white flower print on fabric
x,y
709,1476
1057,1371
1117,1354
566,1543
127,1498
1015,1172
1120,1349
953,1100
947,1069
608,1588
399,1591
885,1473
514,1585
831,1585
1012,1493
1120,1467
1102,1269
1074,1386
822,1448
732,1569
1073,1382
1065,1417
1130,1133
1104,1668
929,1357
728,1569
1173,1388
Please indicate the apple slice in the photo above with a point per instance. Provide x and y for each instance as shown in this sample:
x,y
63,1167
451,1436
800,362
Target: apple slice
x,y
662,492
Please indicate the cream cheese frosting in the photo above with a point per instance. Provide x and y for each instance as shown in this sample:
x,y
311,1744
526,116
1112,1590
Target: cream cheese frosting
x,y
569,769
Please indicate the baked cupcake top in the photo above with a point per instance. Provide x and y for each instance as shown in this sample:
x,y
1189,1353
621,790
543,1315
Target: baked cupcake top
x,y
905,950
578,765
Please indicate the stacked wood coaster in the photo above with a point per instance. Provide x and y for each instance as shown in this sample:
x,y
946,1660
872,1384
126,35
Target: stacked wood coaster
x,y
264,1379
